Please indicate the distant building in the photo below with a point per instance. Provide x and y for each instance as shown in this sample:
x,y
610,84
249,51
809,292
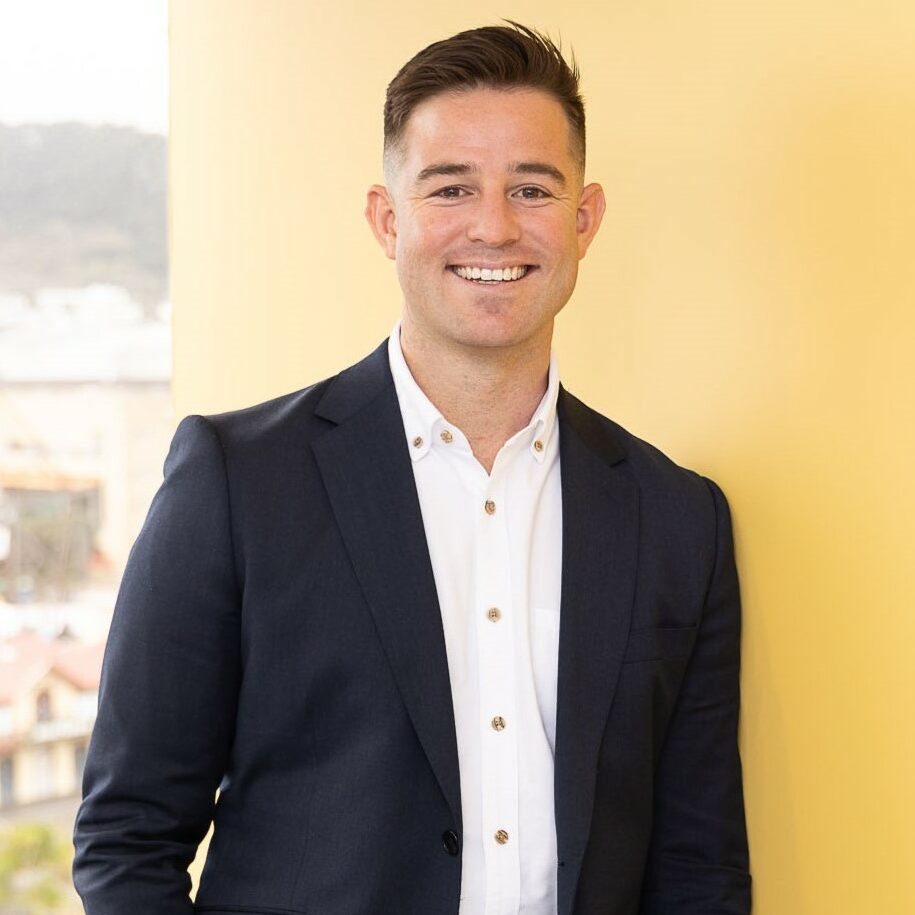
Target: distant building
x,y
48,700
48,524
85,422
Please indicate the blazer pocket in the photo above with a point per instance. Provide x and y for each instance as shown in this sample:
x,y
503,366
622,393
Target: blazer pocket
x,y
657,643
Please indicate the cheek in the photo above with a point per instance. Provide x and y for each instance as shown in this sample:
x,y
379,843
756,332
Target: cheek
x,y
418,255
431,233
551,231
415,245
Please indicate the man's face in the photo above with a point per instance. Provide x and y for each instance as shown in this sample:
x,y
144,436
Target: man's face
x,y
486,180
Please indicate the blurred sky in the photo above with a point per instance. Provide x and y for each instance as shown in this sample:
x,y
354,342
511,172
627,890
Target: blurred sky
x,y
97,61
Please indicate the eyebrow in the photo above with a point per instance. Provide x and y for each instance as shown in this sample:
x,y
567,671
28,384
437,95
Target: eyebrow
x,y
444,168
538,168
515,168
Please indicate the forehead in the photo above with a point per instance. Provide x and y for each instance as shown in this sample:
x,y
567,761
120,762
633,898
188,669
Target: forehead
x,y
478,124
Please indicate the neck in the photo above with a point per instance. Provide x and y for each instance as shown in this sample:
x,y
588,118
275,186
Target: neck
x,y
489,393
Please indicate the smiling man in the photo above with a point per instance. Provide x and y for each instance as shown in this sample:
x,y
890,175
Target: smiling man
x,y
445,639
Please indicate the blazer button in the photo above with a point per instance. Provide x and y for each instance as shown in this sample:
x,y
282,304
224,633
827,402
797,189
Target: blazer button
x,y
450,840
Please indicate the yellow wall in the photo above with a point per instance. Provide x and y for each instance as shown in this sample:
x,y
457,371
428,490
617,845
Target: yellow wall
x,y
748,306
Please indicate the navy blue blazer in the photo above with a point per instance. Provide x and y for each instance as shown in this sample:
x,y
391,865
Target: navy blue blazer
x,y
277,636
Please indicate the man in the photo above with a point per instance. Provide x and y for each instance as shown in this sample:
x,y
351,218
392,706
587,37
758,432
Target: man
x,y
445,639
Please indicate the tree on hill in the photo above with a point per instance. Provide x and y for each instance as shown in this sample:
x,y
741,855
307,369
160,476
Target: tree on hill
x,y
81,204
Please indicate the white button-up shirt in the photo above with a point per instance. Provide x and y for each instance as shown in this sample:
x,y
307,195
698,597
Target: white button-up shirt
x,y
496,548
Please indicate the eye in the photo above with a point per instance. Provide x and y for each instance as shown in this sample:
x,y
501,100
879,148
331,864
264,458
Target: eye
x,y
452,192
531,192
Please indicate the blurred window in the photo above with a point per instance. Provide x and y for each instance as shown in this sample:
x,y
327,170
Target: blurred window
x,y
43,707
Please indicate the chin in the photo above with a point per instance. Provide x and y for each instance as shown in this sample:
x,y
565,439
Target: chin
x,y
492,335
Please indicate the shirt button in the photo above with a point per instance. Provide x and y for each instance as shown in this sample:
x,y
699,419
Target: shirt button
x,y
490,507
447,437
450,841
418,441
494,613
498,723
538,445
501,836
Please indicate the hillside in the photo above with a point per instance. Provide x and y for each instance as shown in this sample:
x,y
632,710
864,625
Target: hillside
x,y
81,204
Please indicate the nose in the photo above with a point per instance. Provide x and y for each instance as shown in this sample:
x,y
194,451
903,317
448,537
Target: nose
x,y
493,221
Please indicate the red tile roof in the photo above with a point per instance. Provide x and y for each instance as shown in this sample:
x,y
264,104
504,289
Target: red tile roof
x,y
27,657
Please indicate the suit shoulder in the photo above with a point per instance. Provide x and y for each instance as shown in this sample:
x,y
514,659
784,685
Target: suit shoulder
x,y
261,436
296,416
650,465
260,419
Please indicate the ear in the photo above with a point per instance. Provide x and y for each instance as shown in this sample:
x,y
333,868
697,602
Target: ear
x,y
591,206
379,211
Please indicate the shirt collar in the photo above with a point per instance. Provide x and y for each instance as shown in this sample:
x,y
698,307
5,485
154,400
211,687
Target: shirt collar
x,y
419,413
422,419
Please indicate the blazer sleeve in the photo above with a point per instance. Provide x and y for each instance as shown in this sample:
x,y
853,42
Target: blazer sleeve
x,y
168,694
698,862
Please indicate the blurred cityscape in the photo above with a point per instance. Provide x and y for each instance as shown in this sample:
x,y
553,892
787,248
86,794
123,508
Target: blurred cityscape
x,y
85,421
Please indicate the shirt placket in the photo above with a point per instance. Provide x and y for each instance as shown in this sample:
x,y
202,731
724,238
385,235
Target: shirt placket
x,y
498,700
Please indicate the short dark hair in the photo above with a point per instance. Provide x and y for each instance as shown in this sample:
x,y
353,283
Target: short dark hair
x,y
493,57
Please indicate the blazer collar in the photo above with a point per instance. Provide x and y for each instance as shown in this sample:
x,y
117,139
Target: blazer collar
x,y
355,387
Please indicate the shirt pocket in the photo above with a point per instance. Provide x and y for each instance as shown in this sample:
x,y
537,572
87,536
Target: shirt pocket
x,y
547,619
545,665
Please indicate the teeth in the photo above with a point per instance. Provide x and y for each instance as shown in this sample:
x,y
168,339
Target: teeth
x,y
490,275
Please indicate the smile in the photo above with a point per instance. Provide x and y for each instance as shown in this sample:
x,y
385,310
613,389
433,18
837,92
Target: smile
x,y
491,274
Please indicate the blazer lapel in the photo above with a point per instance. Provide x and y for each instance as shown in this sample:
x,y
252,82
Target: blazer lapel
x,y
599,555
367,472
